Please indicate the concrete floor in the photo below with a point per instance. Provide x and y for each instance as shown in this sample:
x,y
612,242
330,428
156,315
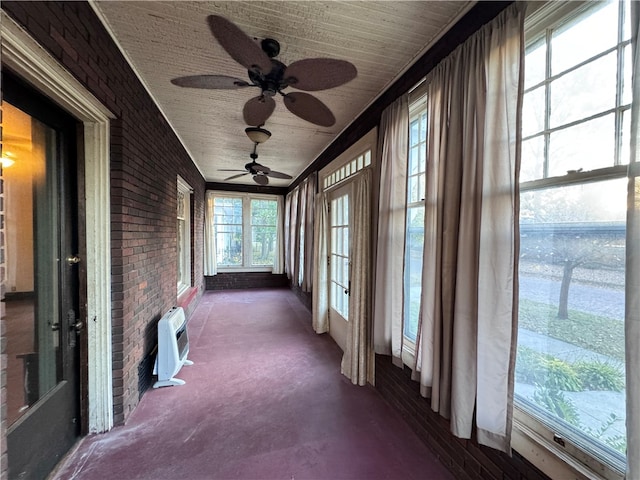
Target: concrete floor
x,y
264,400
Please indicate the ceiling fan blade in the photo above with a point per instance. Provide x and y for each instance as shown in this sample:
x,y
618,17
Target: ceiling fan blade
x,y
313,74
261,179
239,45
230,170
309,108
275,174
210,81
236,176
257,110
260,168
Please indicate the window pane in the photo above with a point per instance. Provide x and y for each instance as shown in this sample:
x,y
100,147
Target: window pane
x,y
533,110
414,136
570,360
229,245
263,240
532,159
586,146
535,61
577,41
625,150
626,85
589,90
423,127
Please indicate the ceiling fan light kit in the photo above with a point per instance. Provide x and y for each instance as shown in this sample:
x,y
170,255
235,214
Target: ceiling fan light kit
x,y
272,76
257,134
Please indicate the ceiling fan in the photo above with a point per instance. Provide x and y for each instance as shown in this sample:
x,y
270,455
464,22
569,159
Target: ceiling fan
x,y
260,173
272,76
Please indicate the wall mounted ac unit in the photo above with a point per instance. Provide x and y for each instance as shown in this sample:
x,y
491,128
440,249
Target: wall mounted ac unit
x,y
173,348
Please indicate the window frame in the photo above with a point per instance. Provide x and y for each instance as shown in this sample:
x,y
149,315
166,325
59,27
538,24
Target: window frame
x,y
247,231
539,442
184,244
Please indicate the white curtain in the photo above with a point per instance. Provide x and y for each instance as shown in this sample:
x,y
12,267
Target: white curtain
x,y
309,196
278,260
210,264
467,336
389,274
300,211
632,307
293,254
287,227
356,355
320,304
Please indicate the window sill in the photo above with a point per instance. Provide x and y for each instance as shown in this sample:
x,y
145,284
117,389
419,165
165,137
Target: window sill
x,y
186,297
245,270
551,458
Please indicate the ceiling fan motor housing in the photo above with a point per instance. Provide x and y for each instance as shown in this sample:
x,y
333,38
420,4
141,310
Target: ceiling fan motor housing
x,y
270,46
273,82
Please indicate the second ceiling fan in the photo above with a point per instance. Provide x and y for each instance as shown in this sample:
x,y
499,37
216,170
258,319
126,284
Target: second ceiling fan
x,y
273,76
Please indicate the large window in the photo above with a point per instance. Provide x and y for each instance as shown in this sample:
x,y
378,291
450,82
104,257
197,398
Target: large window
x,y
416,175
184,235
245,228
570,373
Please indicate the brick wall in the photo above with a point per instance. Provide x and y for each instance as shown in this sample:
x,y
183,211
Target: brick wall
x,y
305,297
146,158
231,281
465,458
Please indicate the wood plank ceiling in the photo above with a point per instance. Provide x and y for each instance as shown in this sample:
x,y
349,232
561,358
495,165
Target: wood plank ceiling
x,y
164,40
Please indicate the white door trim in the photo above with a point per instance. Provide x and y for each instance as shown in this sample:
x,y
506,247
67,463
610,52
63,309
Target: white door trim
x,y
23,55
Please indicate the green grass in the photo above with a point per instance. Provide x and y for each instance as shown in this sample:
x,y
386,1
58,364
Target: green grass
x,y
598,334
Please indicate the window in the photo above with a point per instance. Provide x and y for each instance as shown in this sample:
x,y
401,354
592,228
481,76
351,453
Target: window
x,y
246,230
348,169
184,236
264,225
414,238
570,373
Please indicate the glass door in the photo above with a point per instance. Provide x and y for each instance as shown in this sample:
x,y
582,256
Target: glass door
x,y
42,282
339,253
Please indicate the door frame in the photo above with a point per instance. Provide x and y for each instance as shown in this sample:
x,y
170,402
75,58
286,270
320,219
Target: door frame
x,y
25,57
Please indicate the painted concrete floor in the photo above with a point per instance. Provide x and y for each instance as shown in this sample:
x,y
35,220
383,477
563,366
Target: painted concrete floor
x,y
264,400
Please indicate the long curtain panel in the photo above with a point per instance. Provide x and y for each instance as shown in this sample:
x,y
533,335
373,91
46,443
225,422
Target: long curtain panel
x,y
356,355
286,236
299,233
293,232
389,268
320,302
210,264
632,298
278,259
309,196
466,344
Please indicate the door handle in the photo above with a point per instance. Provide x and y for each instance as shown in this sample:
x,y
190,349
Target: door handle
x,y
73,259
78,325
